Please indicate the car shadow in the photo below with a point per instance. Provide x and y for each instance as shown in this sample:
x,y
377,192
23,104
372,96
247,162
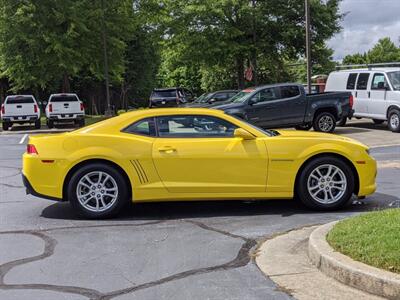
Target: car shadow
x,y
209,209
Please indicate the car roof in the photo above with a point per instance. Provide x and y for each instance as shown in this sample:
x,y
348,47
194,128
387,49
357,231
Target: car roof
x,y
256,88
166,89
224,91
16,96
377,69
64,94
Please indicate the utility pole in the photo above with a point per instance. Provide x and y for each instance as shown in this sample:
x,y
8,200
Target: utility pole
x,y
308,46
108,111
254,54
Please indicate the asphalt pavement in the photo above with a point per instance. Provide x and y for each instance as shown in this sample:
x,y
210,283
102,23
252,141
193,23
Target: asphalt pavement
x,y
187,250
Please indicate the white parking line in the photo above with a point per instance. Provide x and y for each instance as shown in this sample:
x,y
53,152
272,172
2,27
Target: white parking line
x,y
23,138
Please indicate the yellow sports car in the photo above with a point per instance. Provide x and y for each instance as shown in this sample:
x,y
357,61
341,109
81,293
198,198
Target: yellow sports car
x,y
193,154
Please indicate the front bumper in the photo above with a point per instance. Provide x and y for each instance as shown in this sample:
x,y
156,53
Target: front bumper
x,y
367,173
31,191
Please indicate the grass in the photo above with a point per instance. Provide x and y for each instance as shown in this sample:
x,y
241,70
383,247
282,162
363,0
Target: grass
x,y
372,238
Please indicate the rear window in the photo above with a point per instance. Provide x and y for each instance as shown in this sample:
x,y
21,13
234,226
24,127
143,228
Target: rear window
x,y
351,81
164,94
362,81
66,98
19,100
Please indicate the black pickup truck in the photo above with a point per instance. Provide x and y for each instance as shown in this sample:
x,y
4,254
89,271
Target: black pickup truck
x,y
287,105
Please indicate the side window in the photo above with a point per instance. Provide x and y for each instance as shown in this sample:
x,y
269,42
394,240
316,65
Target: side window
x,y
362,81
142,127
379,82
220,96
289,91
351,81
265,95
193,126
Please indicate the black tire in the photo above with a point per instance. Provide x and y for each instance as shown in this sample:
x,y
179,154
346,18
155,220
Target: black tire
x,y
324,122
37,124
377,122
122,191
342,122
303,127
304,195
50,124
81,123
6,126
394,120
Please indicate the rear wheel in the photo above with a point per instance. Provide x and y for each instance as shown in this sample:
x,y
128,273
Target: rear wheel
x,y
6,126
324,122
37,124
342,122
81,122
50,124
394,120
97,191
325,183
378,122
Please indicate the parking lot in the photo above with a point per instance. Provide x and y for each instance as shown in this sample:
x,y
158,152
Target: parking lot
x,y
198,250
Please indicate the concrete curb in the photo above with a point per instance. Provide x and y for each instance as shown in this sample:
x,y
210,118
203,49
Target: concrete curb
x,y
347,271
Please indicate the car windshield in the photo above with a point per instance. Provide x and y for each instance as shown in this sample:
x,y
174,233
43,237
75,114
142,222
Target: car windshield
x,y
394,78
241,96
64,98
164,94
203,98
19,100
263,131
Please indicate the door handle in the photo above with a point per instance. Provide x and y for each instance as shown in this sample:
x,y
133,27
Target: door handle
x,y
167,149
356,93
369,94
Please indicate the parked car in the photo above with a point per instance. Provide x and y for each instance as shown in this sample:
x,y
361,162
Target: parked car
x,y
376,93
213,98
170,97
287,105
65,108
146,156
20,109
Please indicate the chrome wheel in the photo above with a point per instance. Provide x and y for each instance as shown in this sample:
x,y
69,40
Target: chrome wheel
x,y
394,120
97,191
327,184
325,123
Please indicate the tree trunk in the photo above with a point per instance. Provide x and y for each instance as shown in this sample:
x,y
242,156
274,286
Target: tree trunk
x,y
66,87
240,72
94,107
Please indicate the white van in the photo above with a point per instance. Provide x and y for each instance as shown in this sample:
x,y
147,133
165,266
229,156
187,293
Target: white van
x,y
65,108
376,93
20,109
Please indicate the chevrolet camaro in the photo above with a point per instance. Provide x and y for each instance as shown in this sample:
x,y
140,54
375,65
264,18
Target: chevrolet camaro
x,y
185,154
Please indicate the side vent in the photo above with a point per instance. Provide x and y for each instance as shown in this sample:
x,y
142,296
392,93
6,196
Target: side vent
x,y
140,171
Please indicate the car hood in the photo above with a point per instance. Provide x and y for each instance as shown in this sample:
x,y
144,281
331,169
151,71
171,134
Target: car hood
x,y
228,105
318,135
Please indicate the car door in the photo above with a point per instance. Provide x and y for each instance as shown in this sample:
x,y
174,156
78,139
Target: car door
x,y
361,95
292,104
203,156
263,109
377,104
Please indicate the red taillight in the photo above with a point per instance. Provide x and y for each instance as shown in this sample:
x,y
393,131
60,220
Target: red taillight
x,y
82,107
35,108
50,107
351,100
3,109
31,149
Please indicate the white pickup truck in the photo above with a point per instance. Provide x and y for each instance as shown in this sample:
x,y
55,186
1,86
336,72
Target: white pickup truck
x,y
20,109
65,108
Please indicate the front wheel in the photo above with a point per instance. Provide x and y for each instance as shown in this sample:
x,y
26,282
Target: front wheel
x,y
324,122
97,191
325,183
394,120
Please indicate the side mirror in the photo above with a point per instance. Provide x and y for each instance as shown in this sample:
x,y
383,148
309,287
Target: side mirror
x,y
252,101
244,134
212,100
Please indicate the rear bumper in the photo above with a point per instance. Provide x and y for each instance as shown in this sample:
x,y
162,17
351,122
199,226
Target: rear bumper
x,y
65,117
20,119
30,190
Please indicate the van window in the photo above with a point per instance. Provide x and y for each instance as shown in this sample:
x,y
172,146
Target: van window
x,y
351,81
362,81
378,82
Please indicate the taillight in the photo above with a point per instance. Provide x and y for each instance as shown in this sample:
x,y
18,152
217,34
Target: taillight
x,y
35,108
3,109
351,100
31,149
82,107
50,107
